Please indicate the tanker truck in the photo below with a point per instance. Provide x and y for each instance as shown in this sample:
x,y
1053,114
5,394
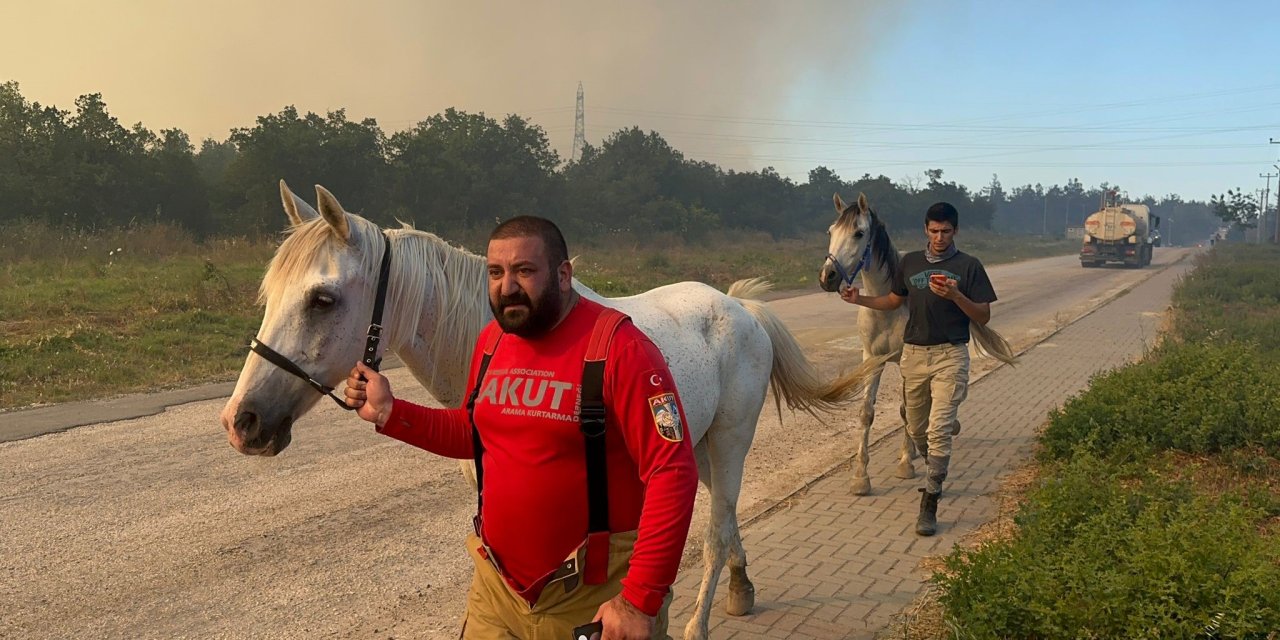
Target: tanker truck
x,y
1124,233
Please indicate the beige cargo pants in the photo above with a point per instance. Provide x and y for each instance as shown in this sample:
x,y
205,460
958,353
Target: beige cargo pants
x,y
935,380
496,612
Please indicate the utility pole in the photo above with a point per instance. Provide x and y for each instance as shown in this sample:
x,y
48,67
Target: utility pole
x,y
579,129
1044,217
1263,228
1262,207
1275,240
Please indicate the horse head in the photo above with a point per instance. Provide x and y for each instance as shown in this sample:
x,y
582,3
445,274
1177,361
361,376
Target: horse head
x,y
847,252
318,294
859,244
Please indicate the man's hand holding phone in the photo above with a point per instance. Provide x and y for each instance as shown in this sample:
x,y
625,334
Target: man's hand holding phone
x,y
943,286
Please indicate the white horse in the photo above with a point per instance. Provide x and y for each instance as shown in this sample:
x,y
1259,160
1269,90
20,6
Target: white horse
x,y
860,245
725,351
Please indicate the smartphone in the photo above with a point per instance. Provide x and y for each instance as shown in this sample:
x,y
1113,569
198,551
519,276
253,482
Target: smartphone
x,y
589,631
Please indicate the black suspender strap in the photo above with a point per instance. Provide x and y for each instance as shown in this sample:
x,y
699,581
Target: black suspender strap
x,y
477,447
592,422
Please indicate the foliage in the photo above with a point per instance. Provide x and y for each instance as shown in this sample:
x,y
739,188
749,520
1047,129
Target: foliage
x,y
1237,208
1194,397
1114,551
453,172
1213,386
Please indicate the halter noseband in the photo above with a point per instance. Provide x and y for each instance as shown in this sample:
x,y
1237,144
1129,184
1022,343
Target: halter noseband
x,y
372,337
847,277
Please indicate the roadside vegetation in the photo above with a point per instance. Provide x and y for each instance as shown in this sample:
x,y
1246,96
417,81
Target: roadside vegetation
x,y
88,315
1154,506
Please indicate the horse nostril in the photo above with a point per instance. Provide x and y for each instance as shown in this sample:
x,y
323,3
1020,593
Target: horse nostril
x,y
247,424
827,280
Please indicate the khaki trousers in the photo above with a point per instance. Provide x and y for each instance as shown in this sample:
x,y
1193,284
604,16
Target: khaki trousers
x,y
935,380
496,612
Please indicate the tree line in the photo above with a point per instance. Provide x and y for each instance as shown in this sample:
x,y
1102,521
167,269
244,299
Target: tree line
x,y
458,171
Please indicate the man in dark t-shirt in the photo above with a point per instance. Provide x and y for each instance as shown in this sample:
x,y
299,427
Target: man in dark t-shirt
x,y
944,291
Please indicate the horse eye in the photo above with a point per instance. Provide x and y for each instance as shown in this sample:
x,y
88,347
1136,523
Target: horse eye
x,y
857,234
321,300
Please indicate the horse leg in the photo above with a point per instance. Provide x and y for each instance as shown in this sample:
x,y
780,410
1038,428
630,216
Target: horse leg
x,y
906,470
721,470
861,480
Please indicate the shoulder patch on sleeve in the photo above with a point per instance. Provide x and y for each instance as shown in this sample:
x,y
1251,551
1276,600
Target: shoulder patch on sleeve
x,y
666,417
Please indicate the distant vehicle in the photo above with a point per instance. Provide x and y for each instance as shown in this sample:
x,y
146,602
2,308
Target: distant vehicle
x,y
1126,233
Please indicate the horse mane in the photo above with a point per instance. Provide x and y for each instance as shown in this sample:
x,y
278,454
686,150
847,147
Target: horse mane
x,y
882,250
423,262
418,260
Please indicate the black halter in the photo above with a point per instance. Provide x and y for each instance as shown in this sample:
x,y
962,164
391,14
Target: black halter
x,y
372,338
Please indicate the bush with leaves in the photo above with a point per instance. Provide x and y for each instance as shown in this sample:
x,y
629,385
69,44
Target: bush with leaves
x,y
1195,397
1113,551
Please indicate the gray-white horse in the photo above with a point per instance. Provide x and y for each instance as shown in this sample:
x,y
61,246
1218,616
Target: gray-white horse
x,y
860,246
725,352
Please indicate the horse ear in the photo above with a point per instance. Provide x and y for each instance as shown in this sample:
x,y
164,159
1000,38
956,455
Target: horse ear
x,y
862,202
296,208
839,202
332,212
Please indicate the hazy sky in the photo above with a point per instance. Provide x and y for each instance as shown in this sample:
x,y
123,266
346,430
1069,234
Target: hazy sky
x,y
1159,97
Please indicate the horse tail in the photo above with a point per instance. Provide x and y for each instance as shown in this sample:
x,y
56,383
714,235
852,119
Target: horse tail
x,y
749,289
988,342
793,378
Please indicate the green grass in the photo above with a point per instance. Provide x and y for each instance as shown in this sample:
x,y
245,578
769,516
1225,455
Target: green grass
x,y
85,320
88,315
1233,295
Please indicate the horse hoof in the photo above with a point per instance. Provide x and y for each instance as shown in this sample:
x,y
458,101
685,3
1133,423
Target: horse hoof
x,y
905,470
694,631
861,486
739,603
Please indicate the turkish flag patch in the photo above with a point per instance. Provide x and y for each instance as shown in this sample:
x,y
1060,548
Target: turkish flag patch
x,y
666,417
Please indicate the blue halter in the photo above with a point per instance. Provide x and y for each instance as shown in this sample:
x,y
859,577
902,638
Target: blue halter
x,y
847,277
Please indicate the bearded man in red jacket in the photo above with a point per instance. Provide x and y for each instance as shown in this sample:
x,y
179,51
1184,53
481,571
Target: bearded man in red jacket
x,y
549,557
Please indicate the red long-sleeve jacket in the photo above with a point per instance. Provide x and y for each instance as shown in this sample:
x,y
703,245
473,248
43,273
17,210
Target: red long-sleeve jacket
x,y
535,497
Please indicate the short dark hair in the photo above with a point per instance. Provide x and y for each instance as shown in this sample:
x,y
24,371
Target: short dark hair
x,y
943,212
535,227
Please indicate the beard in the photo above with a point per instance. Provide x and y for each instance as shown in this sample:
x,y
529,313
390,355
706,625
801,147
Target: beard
x,y
536,318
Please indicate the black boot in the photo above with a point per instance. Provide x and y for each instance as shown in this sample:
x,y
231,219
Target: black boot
x,y
927,521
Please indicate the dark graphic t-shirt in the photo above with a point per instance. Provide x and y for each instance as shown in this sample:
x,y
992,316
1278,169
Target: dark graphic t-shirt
x,y
933,319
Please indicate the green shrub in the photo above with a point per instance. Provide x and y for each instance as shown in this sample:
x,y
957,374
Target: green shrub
x,y
1195,397
1108,551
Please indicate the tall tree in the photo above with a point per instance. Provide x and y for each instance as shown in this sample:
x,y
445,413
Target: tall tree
x,y
461,170
1236,208
344,156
